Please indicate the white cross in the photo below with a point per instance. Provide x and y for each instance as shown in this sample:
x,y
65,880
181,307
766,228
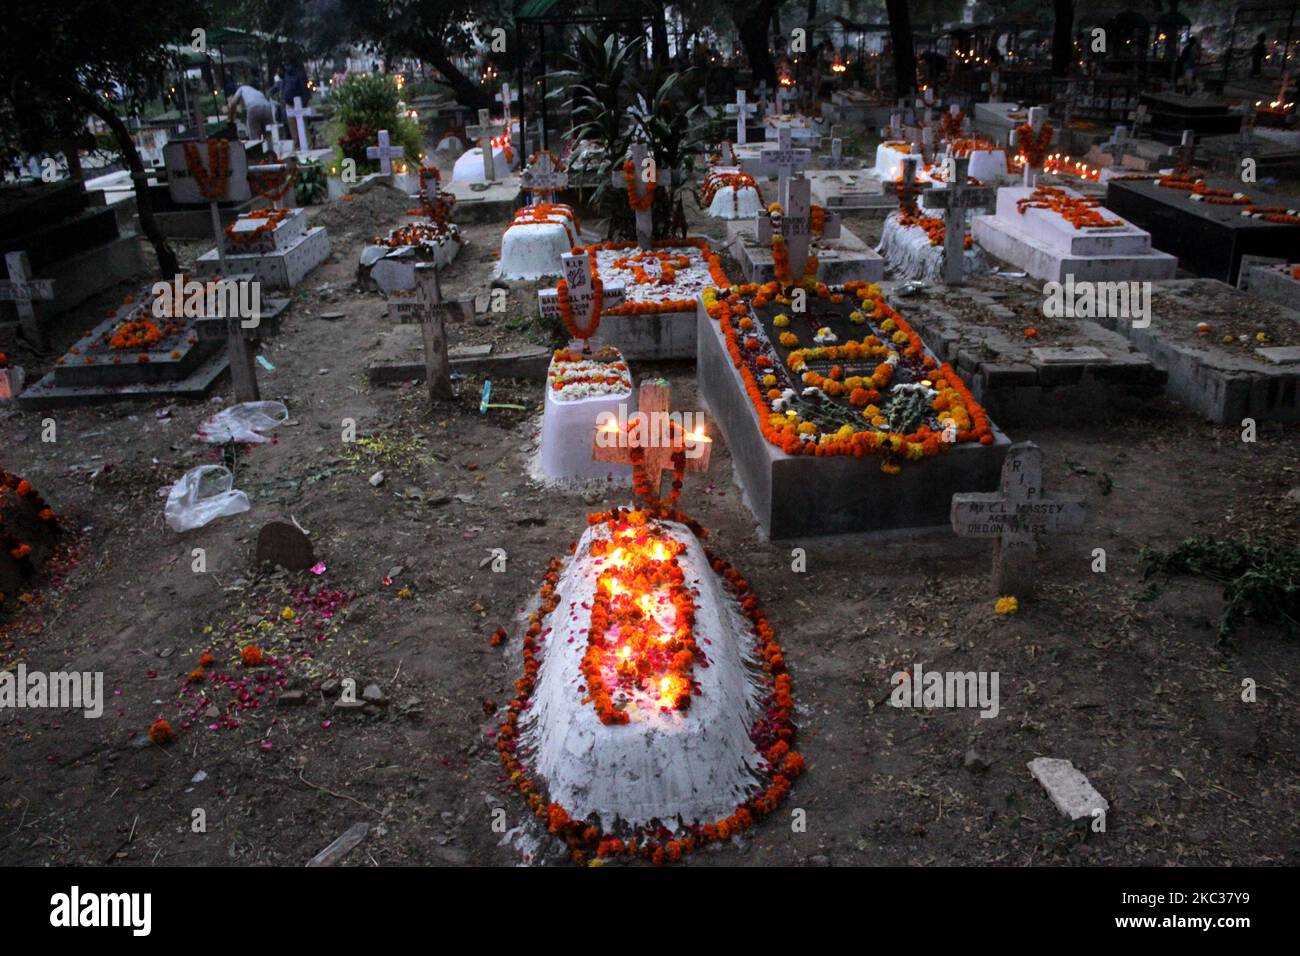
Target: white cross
x,y
786,159
796,227
783,97
576,267
504,99
742,110
837,151
483,132
22,290
895,126
543,177
384,153
1037,116
644,217
298,114
957,199
994,83
1015,516
1117,145
727,154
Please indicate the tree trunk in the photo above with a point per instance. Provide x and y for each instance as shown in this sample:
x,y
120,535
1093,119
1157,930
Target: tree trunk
x,y
900,37
752,29
468,93
659,35
1063,38
168,267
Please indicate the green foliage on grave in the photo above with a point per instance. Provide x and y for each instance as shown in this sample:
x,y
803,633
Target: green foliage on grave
x,y
1261,581
309,187
362,107
906,410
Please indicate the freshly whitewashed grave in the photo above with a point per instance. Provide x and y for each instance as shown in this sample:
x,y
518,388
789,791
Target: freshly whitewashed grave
x,y
541,231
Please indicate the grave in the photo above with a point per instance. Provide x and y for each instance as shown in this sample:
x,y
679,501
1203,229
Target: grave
x,y
390,261
77,246
742,111
921,247
730,194
1279,284
1026,232
844,190
1170,113
581,387
542,231
1014,517
623,748
1209,236
481,182
429,310
29,533
1224,382
812,462
647,296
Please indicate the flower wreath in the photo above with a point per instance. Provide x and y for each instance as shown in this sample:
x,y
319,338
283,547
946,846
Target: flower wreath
x,y
272,186
1034,145
637,202
213,178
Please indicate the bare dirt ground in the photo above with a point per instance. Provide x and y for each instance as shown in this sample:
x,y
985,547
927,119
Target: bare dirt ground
x,y
1134,689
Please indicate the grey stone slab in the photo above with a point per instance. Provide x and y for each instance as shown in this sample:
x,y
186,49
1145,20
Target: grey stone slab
x,y
1069,789
1280,355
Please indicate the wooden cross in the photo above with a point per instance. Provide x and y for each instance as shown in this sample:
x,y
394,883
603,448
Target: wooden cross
x,y
432,312
504,99
787,160
24,292
1116,146
742,111
957,199
908,187
795,226
543,177
299,113
576,267
641,162
653,431
385,153
1015,516
484,132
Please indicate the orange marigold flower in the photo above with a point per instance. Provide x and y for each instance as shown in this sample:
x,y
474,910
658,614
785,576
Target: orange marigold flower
x,y
251,656
160,732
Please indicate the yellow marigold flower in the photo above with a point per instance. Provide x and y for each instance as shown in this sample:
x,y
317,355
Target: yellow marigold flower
x,y
870,412
856,317
1261,336
781,321
899,338
888,325
915,451
769,380
789,340
874,289
846,431
807,428
890,468
853,381
287,614
775,207
879,420
1006,606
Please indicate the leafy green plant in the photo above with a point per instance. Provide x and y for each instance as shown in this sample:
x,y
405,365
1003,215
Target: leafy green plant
x,y
1260,581
363,106
309,187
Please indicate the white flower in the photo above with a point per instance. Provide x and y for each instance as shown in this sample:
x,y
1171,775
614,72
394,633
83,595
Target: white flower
x,y
824,335
778,404
813,392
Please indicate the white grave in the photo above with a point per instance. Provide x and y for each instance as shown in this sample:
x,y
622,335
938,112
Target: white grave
x,y
534,242
569,420
489,160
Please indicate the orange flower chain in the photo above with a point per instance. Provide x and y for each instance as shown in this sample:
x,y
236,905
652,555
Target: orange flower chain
x,y
657,306
638,202
598,301
1079,211
1034,146
1198,191
272,186
270,219
212,178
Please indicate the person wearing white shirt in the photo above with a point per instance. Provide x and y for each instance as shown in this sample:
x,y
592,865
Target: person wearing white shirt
x,y
258,114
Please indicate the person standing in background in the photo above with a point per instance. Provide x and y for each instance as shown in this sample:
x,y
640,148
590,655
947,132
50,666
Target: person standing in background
x,y
257,110
1257,54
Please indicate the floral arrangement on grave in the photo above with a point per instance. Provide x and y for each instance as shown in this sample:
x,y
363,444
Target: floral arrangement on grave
x,y
715,181
781,254
1034,146
268,220
645,653
574,376
365,104
848,376
1198,190
29,530
951,125
423,237
1078,211
273,186
439,211
212,175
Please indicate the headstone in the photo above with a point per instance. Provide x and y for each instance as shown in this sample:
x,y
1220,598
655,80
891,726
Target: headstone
x,y
298,113
742,111
908,187
957,200
543,178
1117,145
995,86
653,401
640,153
1037,117
786,160
484,133
1187,152
24,292
504,98
1015,516
576,267
385,153
431,312
284,544
794,226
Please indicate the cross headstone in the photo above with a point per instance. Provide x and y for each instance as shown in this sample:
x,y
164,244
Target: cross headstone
x,y
837,152
1116,146
484,132
504,99
927,143
576,267
957,199
727,154
1015,516
384,152
784,96
1037,116
273,131
1187,151
24,292
299,113
786,159
742,111
994,86
543,178
432,312
795,225
639,153
1139,117
762,98
908,187
1248,125
654,399
896,126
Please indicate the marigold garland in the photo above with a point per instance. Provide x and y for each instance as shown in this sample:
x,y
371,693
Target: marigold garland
x,y
1079,211
1033,145
597,304
211,179
639,203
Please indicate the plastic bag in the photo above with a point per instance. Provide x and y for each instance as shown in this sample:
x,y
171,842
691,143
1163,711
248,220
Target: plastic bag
x,y
242,423
202,494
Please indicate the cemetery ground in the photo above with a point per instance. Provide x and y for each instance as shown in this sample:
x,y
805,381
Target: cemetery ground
x,y
1126,679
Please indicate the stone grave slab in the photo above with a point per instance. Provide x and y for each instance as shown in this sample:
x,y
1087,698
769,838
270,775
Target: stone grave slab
x,y
796,495
842,259
279,258
485,202
1045,245
1277,284
1224,383
1208,239
391,260
851,190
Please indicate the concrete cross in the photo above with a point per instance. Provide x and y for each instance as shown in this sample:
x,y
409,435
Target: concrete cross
x,y
1037,117
762,98
786,158
1015,516
727,154
504,99
24,291
431,312
272,136
895,126
384,152
784,95
837,152
299,113
795,226
576,267
1116,146
543,178
1139,117
484,132
641,165
908,187
742,111
994,86
957,199
654,434
927,143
